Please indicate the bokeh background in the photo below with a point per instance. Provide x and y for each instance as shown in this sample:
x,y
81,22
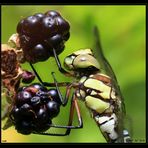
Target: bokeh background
x,y
122,29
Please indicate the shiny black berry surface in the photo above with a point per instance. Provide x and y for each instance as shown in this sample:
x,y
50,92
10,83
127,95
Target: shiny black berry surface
x,y
40,33
34,108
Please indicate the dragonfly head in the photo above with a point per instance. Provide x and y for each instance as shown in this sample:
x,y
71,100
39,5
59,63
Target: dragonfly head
x,y
82,60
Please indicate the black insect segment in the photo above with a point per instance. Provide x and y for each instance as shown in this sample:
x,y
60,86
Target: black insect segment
x,y
40,33
34,108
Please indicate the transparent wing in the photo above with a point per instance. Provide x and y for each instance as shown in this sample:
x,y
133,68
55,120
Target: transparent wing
x,y
107,69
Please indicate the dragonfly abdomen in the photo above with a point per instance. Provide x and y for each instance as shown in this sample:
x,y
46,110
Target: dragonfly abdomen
x,y
107,125
99,96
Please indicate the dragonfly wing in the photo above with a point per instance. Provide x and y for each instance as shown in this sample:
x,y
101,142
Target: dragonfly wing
x,y
107,69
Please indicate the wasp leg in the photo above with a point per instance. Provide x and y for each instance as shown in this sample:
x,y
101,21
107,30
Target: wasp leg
x,y
46,83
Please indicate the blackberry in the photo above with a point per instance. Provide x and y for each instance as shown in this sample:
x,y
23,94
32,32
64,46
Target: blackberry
x,y
34,108
40,33
23,97
52,13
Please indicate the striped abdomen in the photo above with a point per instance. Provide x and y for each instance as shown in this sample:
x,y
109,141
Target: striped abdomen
x,y
99,96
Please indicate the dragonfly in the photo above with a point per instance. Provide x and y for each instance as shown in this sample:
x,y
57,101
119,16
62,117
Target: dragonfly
x,y
96,84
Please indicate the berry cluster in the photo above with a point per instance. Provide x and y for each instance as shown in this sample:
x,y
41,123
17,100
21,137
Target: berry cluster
x,y
34,108
40,33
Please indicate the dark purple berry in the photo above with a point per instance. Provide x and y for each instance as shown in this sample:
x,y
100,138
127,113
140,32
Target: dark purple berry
x,y
39,86
20,26
52,13
40,53
62,25
37,53
24,127
26,112
23,97
42,114
25,108
27,77
15,114
43,96
31,26
35,101
56,40
53,108
39,15
54,95
48,26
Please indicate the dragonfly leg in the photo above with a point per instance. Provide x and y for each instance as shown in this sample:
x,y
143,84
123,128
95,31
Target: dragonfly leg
x,y
74,105
46,83
61,69
68,89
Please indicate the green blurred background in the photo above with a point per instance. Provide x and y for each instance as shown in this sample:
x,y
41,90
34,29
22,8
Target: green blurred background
x,y
122,30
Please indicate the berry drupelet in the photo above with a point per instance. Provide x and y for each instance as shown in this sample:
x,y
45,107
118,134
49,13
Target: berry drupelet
x,y
34,108
40,33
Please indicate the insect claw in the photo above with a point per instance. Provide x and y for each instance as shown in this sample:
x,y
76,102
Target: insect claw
x,y
52,73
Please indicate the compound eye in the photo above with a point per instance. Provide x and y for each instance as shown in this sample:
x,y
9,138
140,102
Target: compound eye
x,y
68,62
